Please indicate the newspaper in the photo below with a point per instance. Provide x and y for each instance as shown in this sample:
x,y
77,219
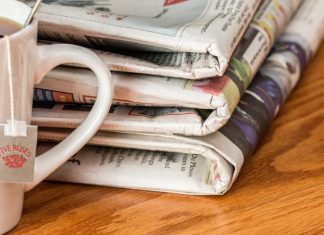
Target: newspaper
x,y
208,164
121,118
213,99
190,26
187,65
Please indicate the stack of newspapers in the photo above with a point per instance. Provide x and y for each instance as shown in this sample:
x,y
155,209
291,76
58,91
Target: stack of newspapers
x,y
195,88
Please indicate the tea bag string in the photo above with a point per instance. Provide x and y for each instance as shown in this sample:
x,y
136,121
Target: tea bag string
x,y
11,92
32,13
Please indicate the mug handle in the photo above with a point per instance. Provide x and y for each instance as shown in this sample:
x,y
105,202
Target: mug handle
x,y
48,58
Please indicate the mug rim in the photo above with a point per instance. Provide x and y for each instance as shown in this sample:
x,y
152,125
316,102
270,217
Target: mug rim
x,y
22,30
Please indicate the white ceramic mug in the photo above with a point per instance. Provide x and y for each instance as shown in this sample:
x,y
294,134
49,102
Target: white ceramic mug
x,y
29,64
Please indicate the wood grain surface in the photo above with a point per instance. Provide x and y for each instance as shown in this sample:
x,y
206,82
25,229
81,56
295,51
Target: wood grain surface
x,y
279,191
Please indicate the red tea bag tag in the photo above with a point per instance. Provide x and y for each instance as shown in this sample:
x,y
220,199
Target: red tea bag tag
x,y
17,153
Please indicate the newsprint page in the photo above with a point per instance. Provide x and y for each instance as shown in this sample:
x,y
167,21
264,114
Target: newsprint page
x,y
207,164
207,31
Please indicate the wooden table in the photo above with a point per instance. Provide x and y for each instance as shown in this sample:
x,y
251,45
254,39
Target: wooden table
x,y
280,189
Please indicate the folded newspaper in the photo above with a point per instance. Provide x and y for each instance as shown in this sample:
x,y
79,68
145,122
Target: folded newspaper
x,y
205,30
219,94
208,164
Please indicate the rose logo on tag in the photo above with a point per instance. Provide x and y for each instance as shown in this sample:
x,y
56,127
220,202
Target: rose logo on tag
x,y
14,156
14,161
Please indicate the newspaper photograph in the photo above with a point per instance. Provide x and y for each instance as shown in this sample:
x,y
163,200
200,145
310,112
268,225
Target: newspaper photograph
x,y
215,98
194,26
207,164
